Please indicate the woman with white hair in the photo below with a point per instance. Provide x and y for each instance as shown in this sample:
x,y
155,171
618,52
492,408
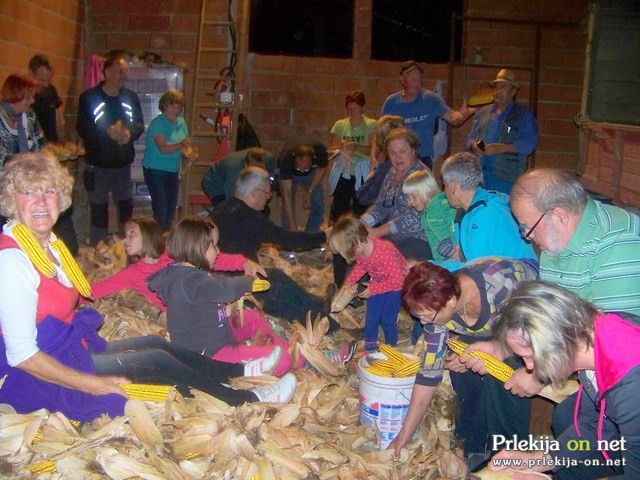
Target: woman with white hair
x,y
556,333
484,225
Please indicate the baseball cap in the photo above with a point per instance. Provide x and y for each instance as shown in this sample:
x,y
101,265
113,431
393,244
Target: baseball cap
x,y
408,66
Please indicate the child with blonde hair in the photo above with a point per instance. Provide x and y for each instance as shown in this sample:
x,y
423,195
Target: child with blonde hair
x,y
385,265
424,195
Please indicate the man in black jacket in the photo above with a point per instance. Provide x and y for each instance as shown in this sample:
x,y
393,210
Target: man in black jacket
x,y
109,121
243,228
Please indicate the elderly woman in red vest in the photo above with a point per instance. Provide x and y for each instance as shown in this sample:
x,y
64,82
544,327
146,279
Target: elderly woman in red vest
x,y
50,355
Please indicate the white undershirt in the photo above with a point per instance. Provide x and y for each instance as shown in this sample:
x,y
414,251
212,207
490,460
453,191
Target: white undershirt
x,y
19,300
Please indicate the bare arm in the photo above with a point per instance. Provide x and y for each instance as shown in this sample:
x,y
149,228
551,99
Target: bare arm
x,y
164,147
383,230
420,400
286,186
315,181
48,369
60,130
456,118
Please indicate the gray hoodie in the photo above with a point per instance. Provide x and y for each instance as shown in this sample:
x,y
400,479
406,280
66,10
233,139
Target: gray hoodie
x,y
195,301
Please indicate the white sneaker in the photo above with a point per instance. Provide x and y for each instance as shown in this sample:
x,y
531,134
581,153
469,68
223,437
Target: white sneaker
x,y
265,365
280,392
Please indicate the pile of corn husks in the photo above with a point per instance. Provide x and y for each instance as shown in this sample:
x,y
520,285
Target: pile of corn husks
x,y
316,436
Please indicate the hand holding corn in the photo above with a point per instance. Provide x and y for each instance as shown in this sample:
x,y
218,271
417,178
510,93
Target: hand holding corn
x,y
493,366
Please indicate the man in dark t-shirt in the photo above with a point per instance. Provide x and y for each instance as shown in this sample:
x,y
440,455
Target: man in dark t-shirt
x,y
47,107
303,162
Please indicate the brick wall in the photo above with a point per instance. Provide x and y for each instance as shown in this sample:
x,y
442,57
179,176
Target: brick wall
x,y
286,96
612,162
290,95
52,27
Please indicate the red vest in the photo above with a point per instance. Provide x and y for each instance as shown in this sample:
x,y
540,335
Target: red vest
x,y
53,297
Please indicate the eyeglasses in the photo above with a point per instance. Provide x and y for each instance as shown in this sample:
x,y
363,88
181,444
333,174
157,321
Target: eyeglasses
x,y
419,317
268,194
535,225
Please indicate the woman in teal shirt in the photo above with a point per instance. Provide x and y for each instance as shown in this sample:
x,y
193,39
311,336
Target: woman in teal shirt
x,y
166,137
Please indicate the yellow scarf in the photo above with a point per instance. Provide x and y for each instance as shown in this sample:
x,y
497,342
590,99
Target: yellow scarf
x,y
29,245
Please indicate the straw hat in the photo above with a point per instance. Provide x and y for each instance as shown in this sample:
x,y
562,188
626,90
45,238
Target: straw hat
x,y
506,76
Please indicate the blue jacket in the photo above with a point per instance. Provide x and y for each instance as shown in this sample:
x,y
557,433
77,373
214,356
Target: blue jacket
x,y
488,229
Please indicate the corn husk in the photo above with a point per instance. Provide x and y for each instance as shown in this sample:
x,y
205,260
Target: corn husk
x,y
316,435
343,297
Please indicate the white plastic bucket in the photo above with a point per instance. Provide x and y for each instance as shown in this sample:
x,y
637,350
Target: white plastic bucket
x,y
384,402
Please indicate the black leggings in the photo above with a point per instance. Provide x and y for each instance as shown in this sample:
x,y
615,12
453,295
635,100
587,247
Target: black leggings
x,y
151,359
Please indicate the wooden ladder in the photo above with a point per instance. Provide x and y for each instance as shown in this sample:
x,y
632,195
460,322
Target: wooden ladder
x,y
215,67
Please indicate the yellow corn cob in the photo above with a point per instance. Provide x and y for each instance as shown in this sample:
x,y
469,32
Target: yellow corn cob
x,y
149,393
36,254
71,269
495,367
379,372
409,369
43,467
260,285
38,436
393,354
386,364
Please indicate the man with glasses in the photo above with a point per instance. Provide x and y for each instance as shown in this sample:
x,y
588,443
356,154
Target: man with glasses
x,y
219,180
243,229
303,163
586,246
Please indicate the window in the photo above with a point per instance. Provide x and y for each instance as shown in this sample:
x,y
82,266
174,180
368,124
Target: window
x,y
309,28
409,29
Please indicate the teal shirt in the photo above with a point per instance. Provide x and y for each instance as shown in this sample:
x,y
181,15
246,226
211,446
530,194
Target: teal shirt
x,y
601,262
437,223
174,133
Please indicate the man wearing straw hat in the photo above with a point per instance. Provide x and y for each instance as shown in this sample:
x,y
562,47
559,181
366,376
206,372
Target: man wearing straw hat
x,y
503,135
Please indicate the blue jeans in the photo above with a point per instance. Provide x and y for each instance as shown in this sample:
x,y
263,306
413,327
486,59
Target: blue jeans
x,y
316,212
163,188
382,309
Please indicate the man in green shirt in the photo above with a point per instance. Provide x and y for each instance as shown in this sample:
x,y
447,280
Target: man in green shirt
x,y
588,247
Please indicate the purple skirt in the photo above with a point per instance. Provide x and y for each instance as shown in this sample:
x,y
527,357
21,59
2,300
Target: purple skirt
x,y
66,343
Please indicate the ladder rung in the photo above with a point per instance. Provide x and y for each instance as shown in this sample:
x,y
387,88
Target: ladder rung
x,y
213,105
218,23
210,134
215,77
217,50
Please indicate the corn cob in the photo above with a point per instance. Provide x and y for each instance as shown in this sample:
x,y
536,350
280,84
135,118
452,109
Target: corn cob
x,y
43,467
38,257
409,369
393,354
260,285
396,365
71,269
149,393
495,367
38,436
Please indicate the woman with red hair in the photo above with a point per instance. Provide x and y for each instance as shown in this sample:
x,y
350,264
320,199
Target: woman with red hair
x,y
465,302
19,129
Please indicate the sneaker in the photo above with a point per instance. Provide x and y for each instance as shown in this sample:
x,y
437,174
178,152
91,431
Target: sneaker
x,y
265,365
280,392
342,354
